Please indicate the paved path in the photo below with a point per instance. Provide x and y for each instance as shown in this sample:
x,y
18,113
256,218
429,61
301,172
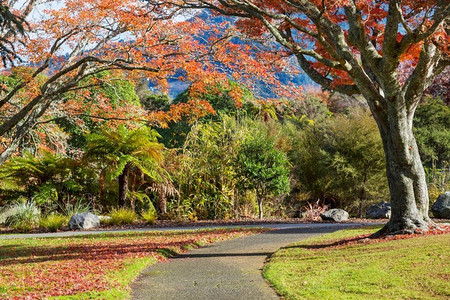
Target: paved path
x,y
225,270
87,232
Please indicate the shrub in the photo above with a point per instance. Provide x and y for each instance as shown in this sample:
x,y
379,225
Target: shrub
x,y
313,211
150,215
53,222
25,216
121,216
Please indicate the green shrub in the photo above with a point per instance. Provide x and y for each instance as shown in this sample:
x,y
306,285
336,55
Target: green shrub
x,y
150,215
121,216
53,222
25,216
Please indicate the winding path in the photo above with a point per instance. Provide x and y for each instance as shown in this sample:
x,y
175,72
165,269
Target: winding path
x,y
225,270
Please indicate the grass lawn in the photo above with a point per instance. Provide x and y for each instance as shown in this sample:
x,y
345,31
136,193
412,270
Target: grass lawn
x,y
319,268
92,266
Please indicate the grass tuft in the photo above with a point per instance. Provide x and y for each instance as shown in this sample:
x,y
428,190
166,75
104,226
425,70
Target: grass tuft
x,y
122,216
53,222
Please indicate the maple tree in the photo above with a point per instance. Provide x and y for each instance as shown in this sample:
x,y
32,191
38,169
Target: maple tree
x,y
357,47
70,44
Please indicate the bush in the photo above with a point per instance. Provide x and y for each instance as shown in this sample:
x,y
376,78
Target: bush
x,y
121,216
341,162
25,216
313,211
53,222
432,131
150,215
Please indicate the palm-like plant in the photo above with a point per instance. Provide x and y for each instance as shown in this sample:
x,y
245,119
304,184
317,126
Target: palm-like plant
x,y
31,173
123,150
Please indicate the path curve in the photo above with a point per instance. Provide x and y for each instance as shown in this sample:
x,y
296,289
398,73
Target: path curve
x,y
225,270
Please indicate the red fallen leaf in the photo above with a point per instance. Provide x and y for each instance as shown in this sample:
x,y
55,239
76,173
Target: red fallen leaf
x,y
74,265
368,239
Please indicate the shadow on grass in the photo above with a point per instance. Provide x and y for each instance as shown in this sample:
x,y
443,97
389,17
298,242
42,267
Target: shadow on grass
x,y
338,243
97,248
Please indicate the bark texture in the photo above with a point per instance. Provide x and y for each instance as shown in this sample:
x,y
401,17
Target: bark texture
x,y
123,186
405,172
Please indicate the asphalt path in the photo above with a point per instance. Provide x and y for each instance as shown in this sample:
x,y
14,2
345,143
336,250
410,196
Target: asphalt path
x,y
224,270
87,232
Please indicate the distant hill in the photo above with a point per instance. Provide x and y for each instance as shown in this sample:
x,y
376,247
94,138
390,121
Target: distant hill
x,y
176,86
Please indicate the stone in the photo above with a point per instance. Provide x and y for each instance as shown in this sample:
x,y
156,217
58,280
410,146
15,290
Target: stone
x,y
441,208
85,220
335,214
380,210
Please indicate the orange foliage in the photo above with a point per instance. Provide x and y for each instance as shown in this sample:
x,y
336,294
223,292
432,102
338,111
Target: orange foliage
x,y
76,40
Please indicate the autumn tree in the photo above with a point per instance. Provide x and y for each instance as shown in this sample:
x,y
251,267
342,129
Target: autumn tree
x,y
357,47
74,41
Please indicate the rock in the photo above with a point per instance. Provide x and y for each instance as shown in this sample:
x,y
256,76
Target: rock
x,y
441,208
84,221
380,210
335,214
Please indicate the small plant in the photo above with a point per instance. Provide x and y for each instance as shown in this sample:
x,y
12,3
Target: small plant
x,y
313,211
53,222
121,216
150,215
25,216
78,207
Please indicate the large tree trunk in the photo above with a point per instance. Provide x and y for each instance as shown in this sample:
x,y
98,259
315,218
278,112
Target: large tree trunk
x,y
405,172
123,186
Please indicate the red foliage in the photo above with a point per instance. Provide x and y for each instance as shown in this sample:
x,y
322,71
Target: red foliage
x,y
75,265
369,239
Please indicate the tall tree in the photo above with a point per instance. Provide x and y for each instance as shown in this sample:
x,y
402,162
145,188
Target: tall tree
x,y
73,41
358,47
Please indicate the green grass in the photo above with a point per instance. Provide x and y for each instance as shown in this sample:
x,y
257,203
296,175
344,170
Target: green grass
x,y
415,268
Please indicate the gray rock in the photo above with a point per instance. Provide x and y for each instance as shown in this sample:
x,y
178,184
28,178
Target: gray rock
x,y
380,210
441,208
335,214
84,221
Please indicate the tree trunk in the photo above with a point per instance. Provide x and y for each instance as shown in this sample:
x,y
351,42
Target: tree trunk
x,y
260,206
162,201
123,186
362,196
405,172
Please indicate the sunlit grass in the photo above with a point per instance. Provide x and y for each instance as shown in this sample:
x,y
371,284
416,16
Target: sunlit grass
x,y
416,268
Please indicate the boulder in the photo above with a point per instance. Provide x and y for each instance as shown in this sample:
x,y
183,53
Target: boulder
x,y
335,214
441,208
84,221
380,210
